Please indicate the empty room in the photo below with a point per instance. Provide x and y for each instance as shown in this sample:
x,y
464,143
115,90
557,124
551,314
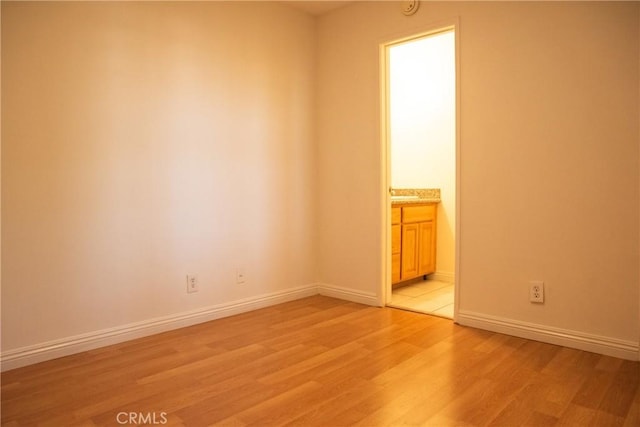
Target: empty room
x,y
204,220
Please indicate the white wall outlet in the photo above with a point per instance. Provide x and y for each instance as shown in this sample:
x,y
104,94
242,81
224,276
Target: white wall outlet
x,y
240,277
192,283
536,291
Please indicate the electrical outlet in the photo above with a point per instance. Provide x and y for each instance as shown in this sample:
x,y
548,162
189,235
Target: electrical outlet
x,y
240,277
192,283
536,291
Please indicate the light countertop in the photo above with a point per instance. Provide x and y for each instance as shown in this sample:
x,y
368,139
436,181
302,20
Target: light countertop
x,y
412,196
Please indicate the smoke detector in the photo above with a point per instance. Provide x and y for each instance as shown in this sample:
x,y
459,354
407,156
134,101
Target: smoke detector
x,y
409,7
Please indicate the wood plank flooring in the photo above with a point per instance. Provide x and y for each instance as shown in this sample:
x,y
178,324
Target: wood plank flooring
x,y
325,362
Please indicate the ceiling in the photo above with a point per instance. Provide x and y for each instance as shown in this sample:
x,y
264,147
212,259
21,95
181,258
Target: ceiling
x,y
317,7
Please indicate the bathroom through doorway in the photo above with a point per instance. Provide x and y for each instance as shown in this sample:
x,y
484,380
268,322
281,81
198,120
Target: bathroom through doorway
x,y
420,127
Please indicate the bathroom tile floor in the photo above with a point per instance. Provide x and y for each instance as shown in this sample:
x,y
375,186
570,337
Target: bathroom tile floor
x,y
425,296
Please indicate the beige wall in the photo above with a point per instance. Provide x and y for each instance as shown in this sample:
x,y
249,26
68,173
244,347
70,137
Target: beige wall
x,y
549,157
145,141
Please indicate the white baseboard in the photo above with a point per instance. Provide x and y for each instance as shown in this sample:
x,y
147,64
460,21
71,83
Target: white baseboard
x,y
71,345
443,276
348,294
63,347
629,350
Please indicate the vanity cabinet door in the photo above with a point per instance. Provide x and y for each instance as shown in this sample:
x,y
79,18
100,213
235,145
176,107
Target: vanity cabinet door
x,y
396,250
396,245
410,259
427,248
413,242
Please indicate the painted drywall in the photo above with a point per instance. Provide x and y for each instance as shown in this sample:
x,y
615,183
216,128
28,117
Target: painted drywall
x,y
422,114
549,156
144,141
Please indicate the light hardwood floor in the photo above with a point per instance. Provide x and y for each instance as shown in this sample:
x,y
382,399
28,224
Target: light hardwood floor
x,y
324,362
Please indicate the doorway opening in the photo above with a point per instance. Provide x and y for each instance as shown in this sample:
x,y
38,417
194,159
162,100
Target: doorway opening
x,y
420,150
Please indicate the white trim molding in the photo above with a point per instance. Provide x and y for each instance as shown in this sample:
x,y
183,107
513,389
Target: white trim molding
x,y
347,294
443,276
629,350
75,344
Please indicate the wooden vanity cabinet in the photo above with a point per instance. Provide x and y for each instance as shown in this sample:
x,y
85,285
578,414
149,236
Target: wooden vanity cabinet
x,y
413,237
396,243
